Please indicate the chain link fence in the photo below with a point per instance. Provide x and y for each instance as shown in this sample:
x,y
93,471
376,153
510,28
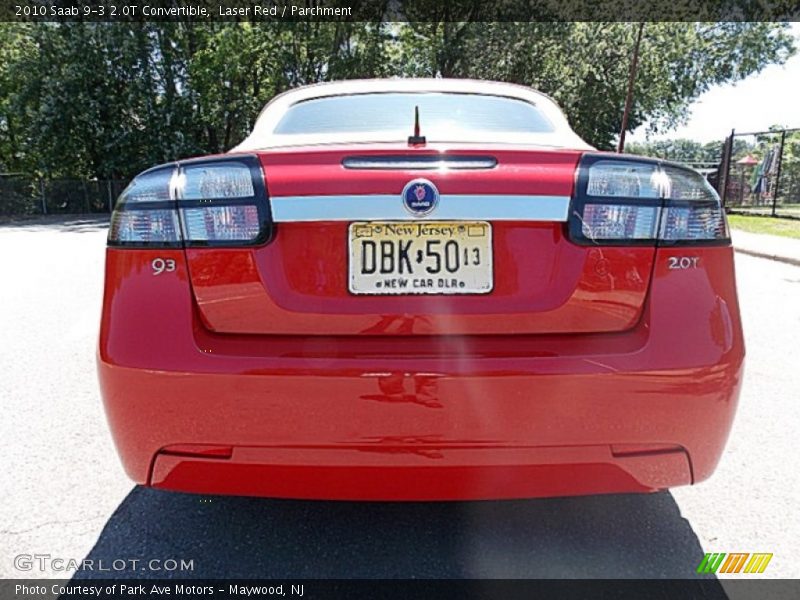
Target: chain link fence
x,y
26,196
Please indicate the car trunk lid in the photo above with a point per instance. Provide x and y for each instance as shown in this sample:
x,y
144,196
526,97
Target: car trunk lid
x,y
310,277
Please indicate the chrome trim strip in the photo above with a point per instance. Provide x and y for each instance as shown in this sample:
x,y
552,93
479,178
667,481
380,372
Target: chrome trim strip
x,y
389,207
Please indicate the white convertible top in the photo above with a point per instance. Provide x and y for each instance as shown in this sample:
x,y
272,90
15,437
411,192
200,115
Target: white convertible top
x,y
263,135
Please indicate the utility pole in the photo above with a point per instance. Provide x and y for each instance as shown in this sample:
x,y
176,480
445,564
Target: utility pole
x,y
629,96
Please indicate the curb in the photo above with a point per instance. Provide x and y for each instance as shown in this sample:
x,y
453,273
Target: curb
x,y
776,257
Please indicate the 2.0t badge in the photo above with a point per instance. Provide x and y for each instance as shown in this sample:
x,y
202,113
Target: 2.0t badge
x,y
420,197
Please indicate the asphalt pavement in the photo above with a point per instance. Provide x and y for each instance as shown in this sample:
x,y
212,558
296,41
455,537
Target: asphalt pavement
x,y
65,494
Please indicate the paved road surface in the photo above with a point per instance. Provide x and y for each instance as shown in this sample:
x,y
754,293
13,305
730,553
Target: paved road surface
x,y
65,494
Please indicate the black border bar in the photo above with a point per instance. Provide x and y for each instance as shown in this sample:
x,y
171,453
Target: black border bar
x,y
405,589
455,11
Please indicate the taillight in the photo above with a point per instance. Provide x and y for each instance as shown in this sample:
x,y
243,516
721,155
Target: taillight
x,y
200,202
145,213
621,200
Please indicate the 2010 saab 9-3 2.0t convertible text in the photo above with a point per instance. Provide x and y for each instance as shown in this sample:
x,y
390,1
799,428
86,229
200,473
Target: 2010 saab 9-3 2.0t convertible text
x,y
419,290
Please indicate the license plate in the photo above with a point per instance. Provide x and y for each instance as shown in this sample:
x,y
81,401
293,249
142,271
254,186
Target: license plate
x,y
431,257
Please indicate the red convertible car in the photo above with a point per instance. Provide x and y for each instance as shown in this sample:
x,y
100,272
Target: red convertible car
x,y
419,290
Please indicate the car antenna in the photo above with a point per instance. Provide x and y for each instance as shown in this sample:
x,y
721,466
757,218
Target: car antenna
x,y
416,139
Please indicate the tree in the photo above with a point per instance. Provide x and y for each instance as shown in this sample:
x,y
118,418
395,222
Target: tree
x,y
108,100
15,49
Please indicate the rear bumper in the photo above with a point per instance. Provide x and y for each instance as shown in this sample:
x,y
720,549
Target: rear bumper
x,y
433,473
647,409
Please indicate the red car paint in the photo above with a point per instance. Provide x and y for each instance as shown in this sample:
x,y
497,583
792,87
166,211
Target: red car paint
x,y
586,370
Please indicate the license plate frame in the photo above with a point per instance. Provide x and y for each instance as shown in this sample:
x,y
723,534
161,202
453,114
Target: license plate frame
x,y
466,280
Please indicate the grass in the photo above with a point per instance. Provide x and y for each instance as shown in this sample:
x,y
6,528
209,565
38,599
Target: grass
x,y
783,227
